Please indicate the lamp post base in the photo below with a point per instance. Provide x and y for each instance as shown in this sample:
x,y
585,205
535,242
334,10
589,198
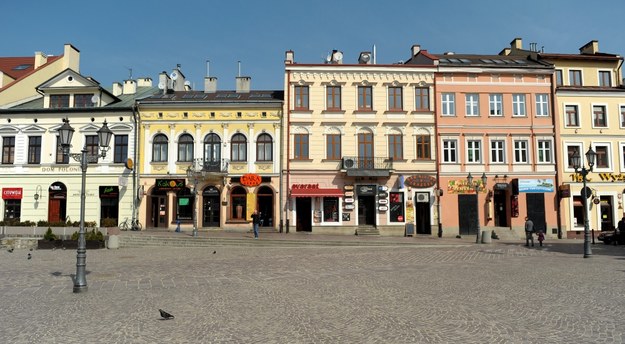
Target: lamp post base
x,y
80,288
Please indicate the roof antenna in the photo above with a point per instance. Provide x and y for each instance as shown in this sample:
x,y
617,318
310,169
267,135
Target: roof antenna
x,y
129,73
239,62
208,68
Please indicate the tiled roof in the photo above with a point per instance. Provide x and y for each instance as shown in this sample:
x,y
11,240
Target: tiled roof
x,y
491,61
17,67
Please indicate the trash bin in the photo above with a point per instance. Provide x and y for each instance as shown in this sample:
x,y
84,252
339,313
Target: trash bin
x,y
486,237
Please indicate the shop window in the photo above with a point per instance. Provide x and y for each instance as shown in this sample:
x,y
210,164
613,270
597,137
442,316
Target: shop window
x,y
331,209
185,202
238,199
396,207
12,209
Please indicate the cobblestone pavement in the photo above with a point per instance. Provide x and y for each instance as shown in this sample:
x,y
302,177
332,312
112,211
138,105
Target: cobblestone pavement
x,y
496,293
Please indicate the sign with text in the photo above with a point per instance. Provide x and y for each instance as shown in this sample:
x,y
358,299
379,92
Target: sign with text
x,y
11,193
169,184
535,185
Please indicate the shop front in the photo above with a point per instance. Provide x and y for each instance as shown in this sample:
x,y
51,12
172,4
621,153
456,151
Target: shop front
x,y
12,198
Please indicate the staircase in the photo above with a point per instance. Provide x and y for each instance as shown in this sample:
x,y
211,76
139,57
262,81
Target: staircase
x,y
367,230
507,234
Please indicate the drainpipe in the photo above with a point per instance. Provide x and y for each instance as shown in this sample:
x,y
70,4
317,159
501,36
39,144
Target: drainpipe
x,y
281,187
288,146
438,167
135,182
555,154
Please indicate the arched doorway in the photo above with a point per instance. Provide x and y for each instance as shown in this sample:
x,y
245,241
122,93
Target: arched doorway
x,y
57,204
238,203
265,206
211,207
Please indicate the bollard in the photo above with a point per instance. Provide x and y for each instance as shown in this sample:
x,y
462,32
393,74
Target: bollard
x,y
486,237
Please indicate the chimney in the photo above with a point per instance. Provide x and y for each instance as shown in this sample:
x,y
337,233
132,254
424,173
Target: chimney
x,y
210,84
130,87
416,49
289,57
164,83
590,48
178,79
243,84
71,58
505,51
144,82
40,59
516,44
117,89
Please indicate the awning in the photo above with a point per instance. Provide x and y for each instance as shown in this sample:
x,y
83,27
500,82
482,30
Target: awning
x,y
318,192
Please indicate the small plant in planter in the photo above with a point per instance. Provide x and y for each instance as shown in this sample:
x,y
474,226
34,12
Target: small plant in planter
x,y
49,241
49,235
93,238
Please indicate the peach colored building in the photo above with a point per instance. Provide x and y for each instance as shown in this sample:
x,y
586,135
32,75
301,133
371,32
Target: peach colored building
x,y
494,119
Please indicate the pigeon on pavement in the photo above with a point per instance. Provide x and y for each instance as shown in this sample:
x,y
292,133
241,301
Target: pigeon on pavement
x,y
29,255
166,315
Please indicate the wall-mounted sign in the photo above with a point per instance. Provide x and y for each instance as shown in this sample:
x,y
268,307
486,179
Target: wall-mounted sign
x,y
210,191
169,184
366,190
382,208
348,207
349,193
383,195
346,216
501,186
252,179
109,192
535,185
348,187
420,181
382,188
11,193
462,187
565,190
383,201
348,200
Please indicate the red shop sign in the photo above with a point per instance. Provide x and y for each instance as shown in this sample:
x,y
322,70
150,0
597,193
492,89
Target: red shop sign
x,y
250,179
11,193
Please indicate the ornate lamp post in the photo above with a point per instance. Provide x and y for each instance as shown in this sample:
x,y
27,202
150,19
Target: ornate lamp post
x,y
194,175
576,161
476,186
104,138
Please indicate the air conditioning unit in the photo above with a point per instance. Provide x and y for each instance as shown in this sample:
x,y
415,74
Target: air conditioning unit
x,y
423,197
349,163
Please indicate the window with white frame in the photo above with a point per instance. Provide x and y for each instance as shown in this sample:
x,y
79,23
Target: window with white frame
x,y
448,104
544,151
571,116
518,105
542,105
599,117
572,149
473,151
450,153
603,156
622,107
497,152
495,104
472,102
622,149
521,151
605,78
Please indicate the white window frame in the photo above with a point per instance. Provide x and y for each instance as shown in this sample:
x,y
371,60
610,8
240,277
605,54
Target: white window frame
x,y
543,147
621,152
580,150
519,108
542,105
472,104
605,115
566,116
621,108
498,154
475,146
609,153
495,103
521,150
448,150
448,104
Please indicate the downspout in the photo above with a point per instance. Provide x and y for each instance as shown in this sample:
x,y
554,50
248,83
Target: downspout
x,y
281,187
556,132
135,182
438,169
288,146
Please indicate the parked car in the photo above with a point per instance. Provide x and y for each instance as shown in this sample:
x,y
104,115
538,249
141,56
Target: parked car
x,y
612,237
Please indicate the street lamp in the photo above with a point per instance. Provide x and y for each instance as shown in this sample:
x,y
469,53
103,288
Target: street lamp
x,y
195,175
576,161
476,186
84,158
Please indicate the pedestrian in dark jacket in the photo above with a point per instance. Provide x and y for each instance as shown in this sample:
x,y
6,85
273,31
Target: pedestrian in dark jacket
x,y
255,223
529,231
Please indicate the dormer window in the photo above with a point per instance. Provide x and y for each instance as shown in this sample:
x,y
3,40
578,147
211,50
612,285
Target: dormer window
x,y
59,101
83,101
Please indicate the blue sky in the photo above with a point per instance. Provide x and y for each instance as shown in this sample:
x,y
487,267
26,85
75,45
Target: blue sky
x,y
154,36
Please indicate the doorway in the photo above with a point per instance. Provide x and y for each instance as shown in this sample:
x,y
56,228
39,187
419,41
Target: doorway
x,y
211,208
303,207
467,214
158,209
422,217
57,204
366,210
265,206
501,209
535,203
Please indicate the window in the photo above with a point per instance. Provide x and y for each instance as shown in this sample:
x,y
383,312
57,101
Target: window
x,y
495,104
185,148
58,101
395,102
599,118
12,209
333,98
605,78
422,98
497,151
572,116
83,101
333,146
212,148
60,157
622,116
603,157
160,145
395,147
331,210
449,151
238,149
396,207
559,81
472,102
473,151
542,105
8,149
92,146
570,150
238,201
449,104
544,151
34,149
184,205
120,151
264,148
423,147
301,146
301,97
518,105
365,98
575,77
520,151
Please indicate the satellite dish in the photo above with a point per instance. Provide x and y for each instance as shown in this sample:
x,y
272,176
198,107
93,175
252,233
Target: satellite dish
x,y
187,83
328,58
173,75
366,57
161,85
337,56
95,99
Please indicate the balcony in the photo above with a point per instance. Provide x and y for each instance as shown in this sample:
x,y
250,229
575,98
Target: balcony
x,y
212,166
366,166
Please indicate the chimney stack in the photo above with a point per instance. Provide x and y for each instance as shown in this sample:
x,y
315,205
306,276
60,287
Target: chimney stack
x,y
130,87
590,48
289,57
415,49
210,84
243,84
117,89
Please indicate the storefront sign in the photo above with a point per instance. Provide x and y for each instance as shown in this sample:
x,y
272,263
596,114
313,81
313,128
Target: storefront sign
x,y
462,187
565,190
382,208
349,200
109,192
349,207
11,193
382,188
305,186
366,190
501,186
348,187
251,179
210,191
535,185
383,195
349,193
169,184
383,201
420,181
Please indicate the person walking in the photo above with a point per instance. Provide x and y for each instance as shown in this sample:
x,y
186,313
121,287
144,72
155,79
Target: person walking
x,y
255,223
529,231
541,238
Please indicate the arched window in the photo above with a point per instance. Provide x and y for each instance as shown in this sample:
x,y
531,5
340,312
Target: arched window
x,y
238,198
239,148
185,148
160,145
264,148
212,148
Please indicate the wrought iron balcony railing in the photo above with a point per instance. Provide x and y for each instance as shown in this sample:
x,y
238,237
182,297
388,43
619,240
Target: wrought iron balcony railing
x,y
366,163
217,166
